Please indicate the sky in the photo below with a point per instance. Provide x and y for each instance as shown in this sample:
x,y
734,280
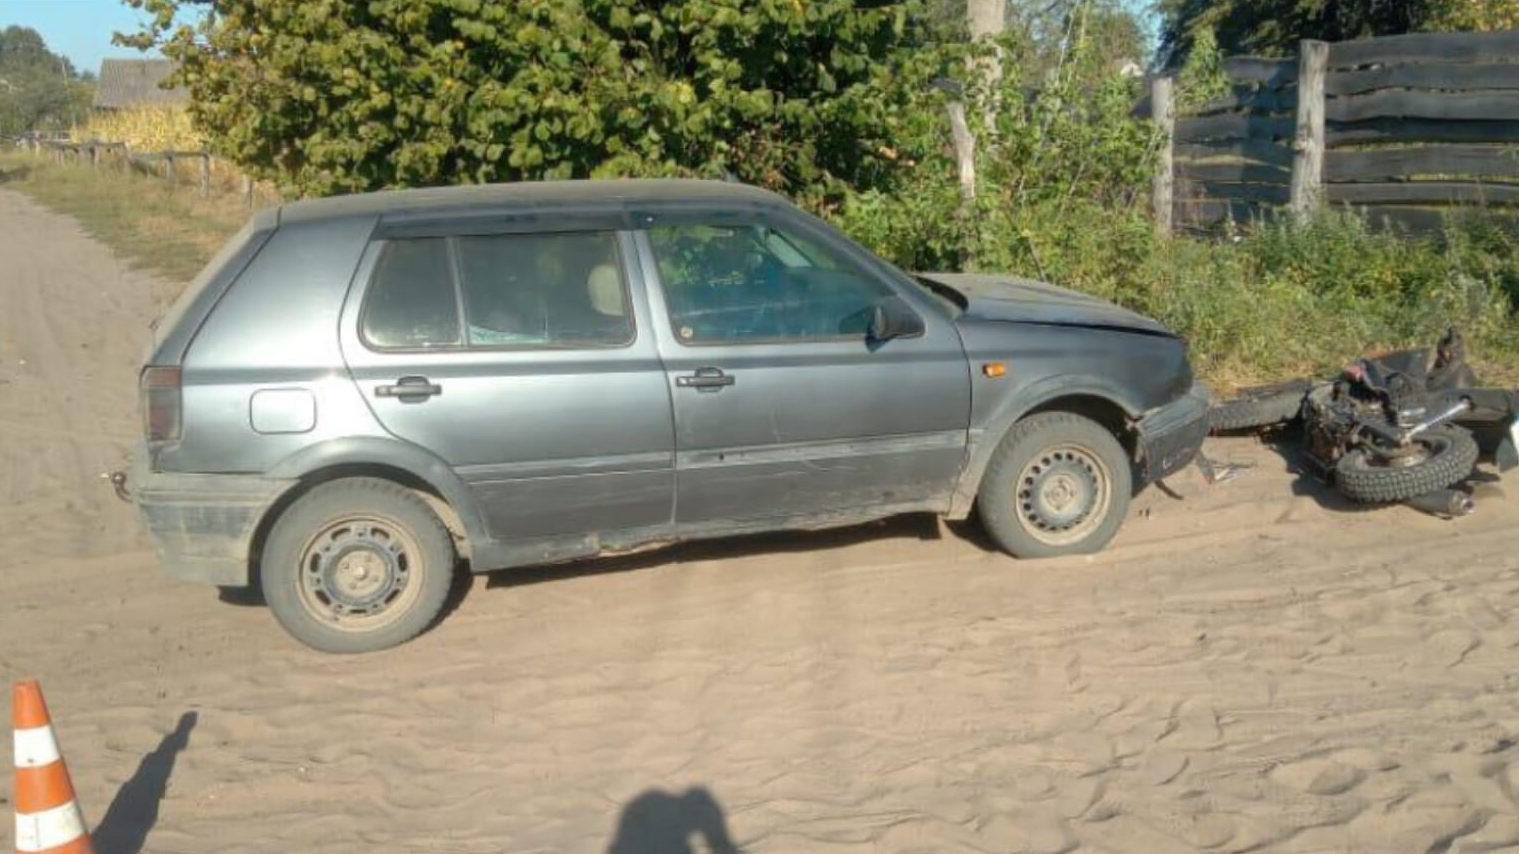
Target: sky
x,y
79,29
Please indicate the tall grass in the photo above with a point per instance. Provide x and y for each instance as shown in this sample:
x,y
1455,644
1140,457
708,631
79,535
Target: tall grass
x,y
163,227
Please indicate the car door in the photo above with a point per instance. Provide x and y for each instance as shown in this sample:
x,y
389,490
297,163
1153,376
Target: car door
x,y
785,411
524,361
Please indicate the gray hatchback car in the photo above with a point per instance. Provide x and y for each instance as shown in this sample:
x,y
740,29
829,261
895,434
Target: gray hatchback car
x,y
361,395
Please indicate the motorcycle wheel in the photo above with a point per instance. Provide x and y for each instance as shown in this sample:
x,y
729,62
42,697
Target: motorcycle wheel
x,y
1445,457
1264,406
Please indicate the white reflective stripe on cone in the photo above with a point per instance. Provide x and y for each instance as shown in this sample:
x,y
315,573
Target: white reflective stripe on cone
x,y
40,831
36,747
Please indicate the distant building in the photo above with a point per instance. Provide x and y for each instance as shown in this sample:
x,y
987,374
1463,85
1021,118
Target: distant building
x,y
129,83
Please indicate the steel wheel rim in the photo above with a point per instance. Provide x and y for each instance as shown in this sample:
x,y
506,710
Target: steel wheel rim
x,y
1063,494
360,573
1429,447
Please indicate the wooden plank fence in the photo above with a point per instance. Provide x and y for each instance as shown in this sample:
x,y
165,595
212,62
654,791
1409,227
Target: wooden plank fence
x,y
172,166
1408,128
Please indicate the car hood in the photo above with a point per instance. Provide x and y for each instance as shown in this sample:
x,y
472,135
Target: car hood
x,y
1009,298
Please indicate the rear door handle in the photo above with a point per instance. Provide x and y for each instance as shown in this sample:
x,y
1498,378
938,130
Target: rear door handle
x,y
409,389
705,379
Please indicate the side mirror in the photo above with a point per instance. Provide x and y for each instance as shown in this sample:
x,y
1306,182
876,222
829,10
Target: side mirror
x,y
890,318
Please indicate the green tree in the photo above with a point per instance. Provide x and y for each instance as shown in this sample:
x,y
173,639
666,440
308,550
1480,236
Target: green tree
x,y
1274,27
39,90
327,96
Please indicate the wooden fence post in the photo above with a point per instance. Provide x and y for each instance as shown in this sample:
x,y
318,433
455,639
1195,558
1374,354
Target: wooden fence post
x,y
965,152
205,175
247,191
95,156
1163,109
169,166
1308,144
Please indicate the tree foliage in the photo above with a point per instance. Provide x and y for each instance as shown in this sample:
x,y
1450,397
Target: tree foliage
x,y
39,90
329,96
1274,27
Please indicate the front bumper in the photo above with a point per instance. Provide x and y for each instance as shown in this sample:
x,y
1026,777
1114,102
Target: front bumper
x,y
1171,436
202,525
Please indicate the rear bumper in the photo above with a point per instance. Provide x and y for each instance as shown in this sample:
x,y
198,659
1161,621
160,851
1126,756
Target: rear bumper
x,y
1171,436
202,525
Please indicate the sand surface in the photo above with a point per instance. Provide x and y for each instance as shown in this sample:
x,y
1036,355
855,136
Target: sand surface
x,y
1251,667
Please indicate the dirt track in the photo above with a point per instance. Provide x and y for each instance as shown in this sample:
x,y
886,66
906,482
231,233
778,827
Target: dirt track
x,y
1251,667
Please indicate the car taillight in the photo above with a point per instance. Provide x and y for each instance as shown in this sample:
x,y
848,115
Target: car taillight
x,y
159,389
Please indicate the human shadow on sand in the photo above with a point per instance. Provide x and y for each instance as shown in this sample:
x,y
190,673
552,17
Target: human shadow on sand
x,y
134,810
657,822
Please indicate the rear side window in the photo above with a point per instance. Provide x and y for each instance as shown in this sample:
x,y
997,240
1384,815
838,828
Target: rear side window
x,y
544,290
412,302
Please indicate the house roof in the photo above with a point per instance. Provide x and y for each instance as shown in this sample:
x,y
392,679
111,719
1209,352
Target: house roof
x,y
126,83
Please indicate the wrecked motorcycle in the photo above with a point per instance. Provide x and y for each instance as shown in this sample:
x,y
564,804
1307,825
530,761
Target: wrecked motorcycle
x,y
1403,427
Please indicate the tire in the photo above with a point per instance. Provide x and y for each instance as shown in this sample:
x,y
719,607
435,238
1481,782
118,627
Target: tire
x,y
357,565
1042,464
1452,452
1265,406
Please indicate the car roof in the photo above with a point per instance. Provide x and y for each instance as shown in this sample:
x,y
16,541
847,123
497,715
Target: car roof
x,y
607,195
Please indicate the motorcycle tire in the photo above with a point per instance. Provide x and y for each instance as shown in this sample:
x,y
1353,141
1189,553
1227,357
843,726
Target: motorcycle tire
x,y
1263,406
1451,453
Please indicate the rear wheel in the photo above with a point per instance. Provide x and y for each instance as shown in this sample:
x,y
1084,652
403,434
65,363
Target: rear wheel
x,y
1058,484
1437,459
1263,406
357,565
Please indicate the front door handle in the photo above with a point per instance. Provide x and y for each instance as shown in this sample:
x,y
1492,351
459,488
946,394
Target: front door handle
x,y
409,389
705,379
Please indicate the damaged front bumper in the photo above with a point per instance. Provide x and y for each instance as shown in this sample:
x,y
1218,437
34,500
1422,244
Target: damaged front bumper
x,y
202,525
1170,437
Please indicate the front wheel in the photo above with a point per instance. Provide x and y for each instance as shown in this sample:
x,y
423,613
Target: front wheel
x,y
357,565
1436,459
1058,484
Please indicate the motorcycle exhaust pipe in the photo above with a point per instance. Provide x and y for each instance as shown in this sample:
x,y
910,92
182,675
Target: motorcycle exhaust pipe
x,y
1447,503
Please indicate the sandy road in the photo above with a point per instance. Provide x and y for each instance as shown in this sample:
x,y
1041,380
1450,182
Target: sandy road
x,y
1251,667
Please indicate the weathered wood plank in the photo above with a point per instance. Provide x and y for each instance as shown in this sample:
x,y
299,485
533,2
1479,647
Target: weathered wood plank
x,y
1481,76
1238,171
1425,192
1260,150
1427,48
1247,99
1423,221
1206,212
1448,106
1270,73
1418,130
1382,164
1233,127
1271,194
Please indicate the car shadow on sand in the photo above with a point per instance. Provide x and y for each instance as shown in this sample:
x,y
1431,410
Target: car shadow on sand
x,y
133,812
910,527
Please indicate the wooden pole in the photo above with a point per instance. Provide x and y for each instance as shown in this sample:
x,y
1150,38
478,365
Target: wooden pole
x,y
1308,145
965,150
169,166
95,157
248,191
1163,108
205,175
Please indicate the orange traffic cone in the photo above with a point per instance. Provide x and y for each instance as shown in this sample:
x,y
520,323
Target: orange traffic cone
x,y
47,816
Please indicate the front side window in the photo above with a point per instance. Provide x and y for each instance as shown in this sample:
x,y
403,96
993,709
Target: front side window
x,y
544,290
412,303
755,283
